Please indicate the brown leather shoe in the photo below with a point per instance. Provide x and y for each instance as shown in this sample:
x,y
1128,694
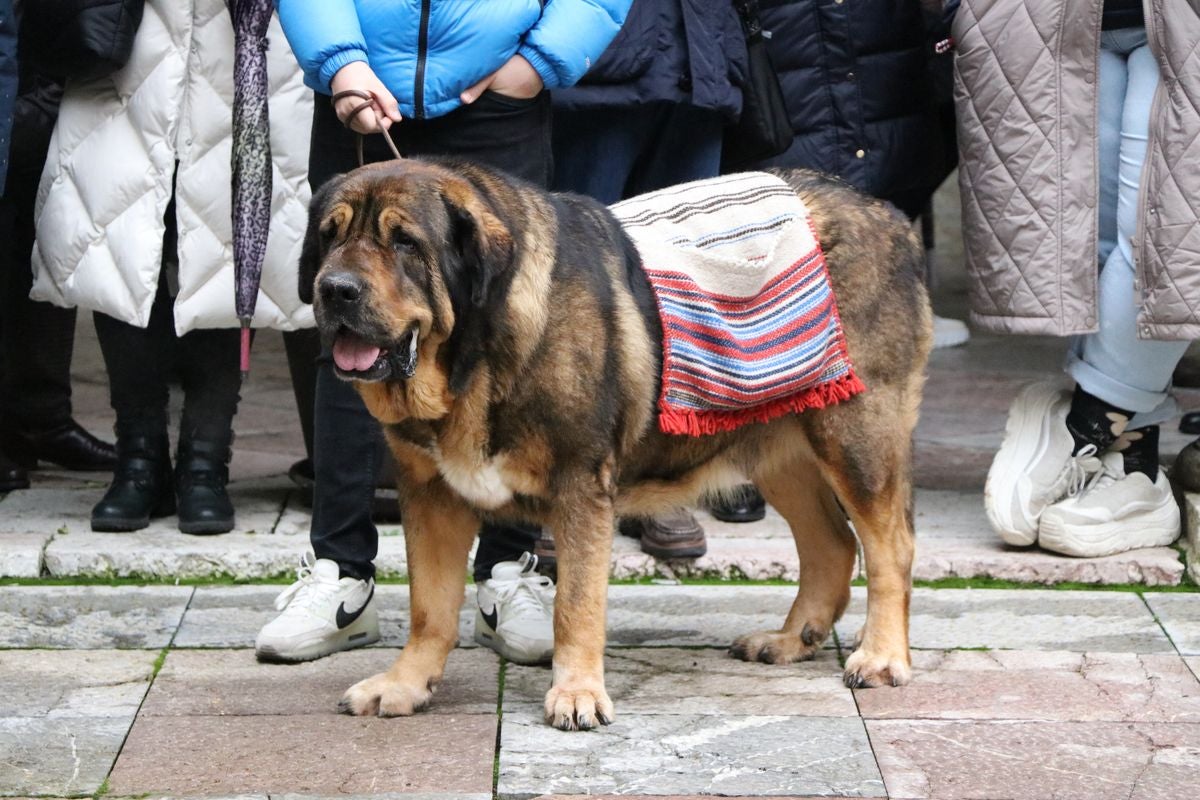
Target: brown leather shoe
x,y
674,535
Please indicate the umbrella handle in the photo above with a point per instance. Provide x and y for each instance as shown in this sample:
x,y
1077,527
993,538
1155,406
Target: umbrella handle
x,y
370,101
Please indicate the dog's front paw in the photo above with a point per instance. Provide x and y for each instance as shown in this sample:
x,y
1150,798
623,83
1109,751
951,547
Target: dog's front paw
x,y
578,707
777,647
867,670
384,696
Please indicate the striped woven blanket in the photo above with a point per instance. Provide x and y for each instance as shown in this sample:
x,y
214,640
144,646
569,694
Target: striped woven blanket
x,y
750,325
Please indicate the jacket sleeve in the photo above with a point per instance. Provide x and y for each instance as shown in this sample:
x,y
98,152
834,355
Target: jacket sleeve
x,y
570,36
325,36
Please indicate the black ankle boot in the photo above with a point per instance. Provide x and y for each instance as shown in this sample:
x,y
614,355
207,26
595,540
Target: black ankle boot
x,y
201,472
141,486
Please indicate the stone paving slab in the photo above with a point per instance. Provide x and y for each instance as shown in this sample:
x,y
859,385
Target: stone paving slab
x,y
231,616
90,617
1022,619
1180,616
46,510
955,540
322,755
694,616
57,756
650,754
21,554
74,683
233,683
698,682
1050,686
1062,760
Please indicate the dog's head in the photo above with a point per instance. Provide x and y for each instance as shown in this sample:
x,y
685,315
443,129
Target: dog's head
x,y
394,254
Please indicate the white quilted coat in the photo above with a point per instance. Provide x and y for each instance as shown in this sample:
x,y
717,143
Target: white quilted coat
x,y
108,178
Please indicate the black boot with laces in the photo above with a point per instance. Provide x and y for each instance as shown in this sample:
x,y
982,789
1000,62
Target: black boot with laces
x,y
201,472
141,488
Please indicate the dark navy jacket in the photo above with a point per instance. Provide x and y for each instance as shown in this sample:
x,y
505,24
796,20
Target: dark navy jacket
x,y
8,82
690,51
861,83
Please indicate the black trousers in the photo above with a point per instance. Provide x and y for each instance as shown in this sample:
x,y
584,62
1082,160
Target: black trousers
x,y
36,339
141,362
348,447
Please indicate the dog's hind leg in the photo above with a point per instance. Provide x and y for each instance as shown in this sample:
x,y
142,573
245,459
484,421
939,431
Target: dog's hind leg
x,y
866,457
438,530
583,537
825,544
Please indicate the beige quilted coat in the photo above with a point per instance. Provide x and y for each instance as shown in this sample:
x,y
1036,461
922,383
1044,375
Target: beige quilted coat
x,y
1025,89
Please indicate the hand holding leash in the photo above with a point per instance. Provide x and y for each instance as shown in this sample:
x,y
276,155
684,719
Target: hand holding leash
x,y
358,80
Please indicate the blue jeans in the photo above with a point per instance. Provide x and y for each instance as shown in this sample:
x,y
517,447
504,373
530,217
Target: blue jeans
x,y
613,153
1113,363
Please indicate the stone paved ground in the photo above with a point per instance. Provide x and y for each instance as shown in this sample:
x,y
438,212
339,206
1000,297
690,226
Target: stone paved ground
x,y
154,691
148,689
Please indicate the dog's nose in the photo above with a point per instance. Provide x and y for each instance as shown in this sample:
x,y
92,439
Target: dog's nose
x,y
340,288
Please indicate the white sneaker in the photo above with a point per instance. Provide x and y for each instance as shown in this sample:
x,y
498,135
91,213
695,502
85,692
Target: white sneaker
x,y
949,332
515,615
1115,512
1034,466
322,614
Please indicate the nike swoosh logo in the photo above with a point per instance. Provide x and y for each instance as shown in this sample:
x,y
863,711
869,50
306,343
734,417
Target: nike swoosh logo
x,y
490,617
345,618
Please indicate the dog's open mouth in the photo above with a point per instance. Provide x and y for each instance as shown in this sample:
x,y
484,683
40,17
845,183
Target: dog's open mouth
x,y
359,359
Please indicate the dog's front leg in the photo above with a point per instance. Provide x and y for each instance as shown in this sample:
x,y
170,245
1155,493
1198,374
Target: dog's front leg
x,y
583,538
438,530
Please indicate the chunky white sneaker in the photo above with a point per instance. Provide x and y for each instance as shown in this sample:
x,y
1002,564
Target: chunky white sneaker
x,y
322,614
515,616
1034,466
1115,512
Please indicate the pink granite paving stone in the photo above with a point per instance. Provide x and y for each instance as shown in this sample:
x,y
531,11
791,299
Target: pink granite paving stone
x,y
953,760
233,683
307,755
1053,686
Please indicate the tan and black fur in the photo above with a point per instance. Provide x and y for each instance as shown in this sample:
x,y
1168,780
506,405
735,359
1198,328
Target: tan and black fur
x,y
533,397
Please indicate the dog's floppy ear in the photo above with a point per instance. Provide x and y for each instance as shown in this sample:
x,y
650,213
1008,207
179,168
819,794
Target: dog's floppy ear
x,y
482,243
312,251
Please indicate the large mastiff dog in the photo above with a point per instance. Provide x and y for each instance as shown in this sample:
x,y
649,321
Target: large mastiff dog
x,y
509,343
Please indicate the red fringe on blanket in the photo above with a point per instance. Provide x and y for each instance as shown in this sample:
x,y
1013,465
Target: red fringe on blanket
x,y
694,422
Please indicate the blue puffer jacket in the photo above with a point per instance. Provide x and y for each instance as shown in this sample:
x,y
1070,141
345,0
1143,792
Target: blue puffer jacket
x,y
427,51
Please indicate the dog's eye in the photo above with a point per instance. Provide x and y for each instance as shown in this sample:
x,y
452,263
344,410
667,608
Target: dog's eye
x,y
402,243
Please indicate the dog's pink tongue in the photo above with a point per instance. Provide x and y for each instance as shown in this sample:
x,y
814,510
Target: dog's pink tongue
x,y
352,354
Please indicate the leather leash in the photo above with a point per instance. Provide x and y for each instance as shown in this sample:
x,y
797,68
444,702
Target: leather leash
x,y
368,100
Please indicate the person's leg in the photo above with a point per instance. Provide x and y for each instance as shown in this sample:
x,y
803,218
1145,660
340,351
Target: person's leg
x,y
211,379
513,615
36,339
1122,381
348,446
686,146
595,150
512,135
1042,456
331,607
1113,364
138,362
